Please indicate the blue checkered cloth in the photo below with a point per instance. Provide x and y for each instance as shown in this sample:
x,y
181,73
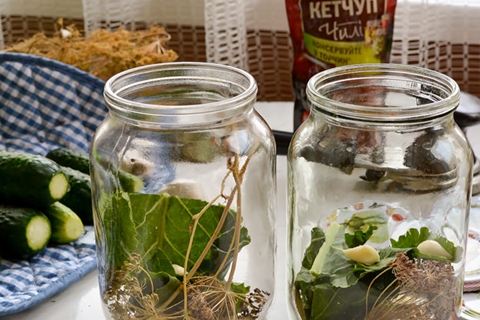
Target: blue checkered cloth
x,y
46,104
24,284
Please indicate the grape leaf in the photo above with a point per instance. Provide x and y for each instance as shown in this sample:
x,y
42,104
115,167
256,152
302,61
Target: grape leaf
x,y
158,228
166,285
331,303
331,261
334,287
317,240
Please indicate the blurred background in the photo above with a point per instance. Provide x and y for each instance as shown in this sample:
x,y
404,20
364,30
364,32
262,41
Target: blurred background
x,y
443,35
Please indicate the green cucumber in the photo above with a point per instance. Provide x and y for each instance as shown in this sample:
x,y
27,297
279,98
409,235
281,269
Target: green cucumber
x,y
71,158
125,181
66,225
24,232
129,182
79,197
30,180
79,160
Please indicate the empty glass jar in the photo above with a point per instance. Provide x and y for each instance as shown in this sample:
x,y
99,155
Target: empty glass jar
x,y
379,192
183,180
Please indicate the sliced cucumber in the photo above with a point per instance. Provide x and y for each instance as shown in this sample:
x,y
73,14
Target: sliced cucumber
x,y
66,225
23,232
37,233
30,180
57,187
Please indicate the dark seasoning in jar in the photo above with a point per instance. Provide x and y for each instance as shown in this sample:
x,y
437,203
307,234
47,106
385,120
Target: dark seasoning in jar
x,y
379,185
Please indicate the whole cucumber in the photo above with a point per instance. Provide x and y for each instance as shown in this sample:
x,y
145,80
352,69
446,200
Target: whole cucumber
x,y
79,197
30,180
71,158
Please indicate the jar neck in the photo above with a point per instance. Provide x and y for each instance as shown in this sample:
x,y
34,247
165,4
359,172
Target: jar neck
x,y
383,94
180,95
445,121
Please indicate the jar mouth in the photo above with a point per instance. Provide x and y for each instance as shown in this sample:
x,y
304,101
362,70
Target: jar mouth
x,y
383,93
165,92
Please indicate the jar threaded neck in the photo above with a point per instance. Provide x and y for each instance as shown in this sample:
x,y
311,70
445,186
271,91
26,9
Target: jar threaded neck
x,y
383,93
180,93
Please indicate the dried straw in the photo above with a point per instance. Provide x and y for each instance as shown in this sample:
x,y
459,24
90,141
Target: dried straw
x,y
102,53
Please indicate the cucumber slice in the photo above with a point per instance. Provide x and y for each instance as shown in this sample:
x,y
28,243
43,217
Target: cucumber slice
x,y
58,186
23,232
66,225
37,232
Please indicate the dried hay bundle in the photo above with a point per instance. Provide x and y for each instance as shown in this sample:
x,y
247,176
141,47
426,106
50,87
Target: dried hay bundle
x,y
102,53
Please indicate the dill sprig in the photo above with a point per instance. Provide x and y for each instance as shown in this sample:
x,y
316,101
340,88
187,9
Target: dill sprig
x,y
131,293
423,289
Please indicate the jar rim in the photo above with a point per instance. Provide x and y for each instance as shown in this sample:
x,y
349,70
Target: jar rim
x,y
123,83
415,80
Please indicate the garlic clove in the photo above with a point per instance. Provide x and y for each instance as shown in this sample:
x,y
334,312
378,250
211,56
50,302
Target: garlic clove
x,y
179,270
364,254
433,248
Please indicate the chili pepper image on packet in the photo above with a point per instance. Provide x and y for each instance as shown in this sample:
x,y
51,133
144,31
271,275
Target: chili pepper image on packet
x,y
333,33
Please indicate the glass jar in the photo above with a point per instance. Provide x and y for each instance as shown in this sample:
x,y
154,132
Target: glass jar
x,y
379,192
183,183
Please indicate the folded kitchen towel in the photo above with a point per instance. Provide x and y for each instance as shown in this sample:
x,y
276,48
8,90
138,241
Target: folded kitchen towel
x,y
46,104
24,284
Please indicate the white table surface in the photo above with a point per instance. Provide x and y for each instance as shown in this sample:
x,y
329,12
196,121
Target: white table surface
x,y
81,301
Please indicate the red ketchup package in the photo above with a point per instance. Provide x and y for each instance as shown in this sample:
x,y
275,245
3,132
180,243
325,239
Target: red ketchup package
x,y
332,33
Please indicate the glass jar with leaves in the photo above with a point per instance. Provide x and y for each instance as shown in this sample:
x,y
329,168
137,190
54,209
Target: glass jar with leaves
x,y
183,183
379,197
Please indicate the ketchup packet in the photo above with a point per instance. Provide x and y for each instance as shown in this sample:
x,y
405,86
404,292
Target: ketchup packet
x,y
332,33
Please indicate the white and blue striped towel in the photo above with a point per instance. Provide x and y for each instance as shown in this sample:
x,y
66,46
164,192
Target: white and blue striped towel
x,y
45,104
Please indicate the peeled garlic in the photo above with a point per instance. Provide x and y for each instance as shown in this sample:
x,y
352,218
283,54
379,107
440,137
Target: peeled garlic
x,y
179,270
433,248
363,254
